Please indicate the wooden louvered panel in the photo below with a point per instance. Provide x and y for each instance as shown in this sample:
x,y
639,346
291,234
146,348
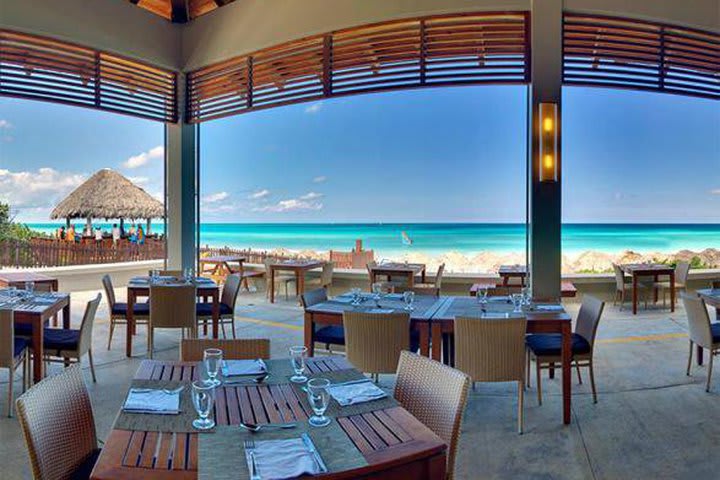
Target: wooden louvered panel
x,y
624,53
429,51
46,69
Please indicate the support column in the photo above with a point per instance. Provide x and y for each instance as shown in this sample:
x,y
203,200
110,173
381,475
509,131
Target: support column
x,y
180,190
544,198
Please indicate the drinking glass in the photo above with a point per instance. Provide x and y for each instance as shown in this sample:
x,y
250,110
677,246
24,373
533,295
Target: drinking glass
x,y
319,398
517,301
355,294
526,295
212,359
409,298
482,296
154,274
203,396
29,288
188,273
297,360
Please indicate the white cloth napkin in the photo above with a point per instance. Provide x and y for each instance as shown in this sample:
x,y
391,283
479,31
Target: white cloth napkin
x,y
351,394
282,459
381,310
549,308
157,401
232,368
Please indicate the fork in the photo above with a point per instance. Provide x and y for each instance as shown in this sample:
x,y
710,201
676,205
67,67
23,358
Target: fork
x,y
250,449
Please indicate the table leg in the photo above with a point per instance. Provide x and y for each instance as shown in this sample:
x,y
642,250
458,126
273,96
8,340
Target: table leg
x,y
422,275
309,334
37,344
215,313
130,322
54,288
424,330
655,290
566,372
373,278
300,282
672,291
272,285
411,279
635,293
436,341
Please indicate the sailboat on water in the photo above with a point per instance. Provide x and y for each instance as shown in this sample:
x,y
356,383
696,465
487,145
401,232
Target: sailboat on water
x,y
406,239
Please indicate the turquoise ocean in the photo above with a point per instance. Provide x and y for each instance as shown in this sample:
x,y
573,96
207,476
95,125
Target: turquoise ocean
x,y
438,238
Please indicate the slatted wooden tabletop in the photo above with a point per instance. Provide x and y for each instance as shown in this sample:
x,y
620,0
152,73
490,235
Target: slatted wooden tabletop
x,y
392,441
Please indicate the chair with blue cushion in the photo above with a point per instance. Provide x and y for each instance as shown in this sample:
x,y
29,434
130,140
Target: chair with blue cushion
x,y
13,353
545,348
703,333
60,344
230,292
325,334
119,311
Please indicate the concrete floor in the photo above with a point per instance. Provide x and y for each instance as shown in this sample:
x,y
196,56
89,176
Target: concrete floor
x,y
651,421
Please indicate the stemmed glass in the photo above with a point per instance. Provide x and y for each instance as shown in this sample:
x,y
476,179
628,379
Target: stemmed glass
x,y
29,289
154,275
297,360
203,396
377,293
517,301
483,296
356,296
189,276
319,399
212,359
409,298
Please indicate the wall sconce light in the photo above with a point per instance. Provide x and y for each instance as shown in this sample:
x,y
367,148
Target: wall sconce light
x,y
548,142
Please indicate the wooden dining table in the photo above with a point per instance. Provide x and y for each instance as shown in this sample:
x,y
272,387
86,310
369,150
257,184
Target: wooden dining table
x,y
298,267
221,265
398,269
393,443
139,287
36,310
18,280
654,270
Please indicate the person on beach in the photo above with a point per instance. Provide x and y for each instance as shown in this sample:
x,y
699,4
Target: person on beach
x,y
140,236
115,234
98,235
132,235
70,234
60,233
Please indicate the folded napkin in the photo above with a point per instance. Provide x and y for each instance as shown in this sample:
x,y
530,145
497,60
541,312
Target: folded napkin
x,y
381,310
282,459
232,368
157,401
492,315
549,308
352,393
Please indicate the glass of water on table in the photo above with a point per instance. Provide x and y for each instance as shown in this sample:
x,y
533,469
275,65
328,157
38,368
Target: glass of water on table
x,y
298,354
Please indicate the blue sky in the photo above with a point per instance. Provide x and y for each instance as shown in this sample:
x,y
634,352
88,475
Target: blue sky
x,y
424,155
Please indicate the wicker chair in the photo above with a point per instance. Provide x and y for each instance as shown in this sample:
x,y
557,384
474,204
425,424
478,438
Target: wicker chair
x,y
57,422
325,334
702,332
438,279
119,310
386,285
230,292
171,306
13,353
492,350
279,278
436,395
546,349
373,341
191,350
60,344
622,286
324,281
682,270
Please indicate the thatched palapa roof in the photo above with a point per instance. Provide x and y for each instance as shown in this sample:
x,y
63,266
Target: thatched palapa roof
x,y
107,194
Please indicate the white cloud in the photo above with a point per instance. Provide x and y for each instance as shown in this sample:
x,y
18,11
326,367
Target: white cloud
x,y
145,157
39,189
215,197
139,180
311,196
716,191
320,179
314,108
291,205
259,194
5,124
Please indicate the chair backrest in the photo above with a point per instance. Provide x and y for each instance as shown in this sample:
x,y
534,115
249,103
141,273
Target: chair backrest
x,y
436,395
191,350
373,341
7,338
490,349
231,289
172,306
326,277
109,290
431,291
698,320
439,275
313,297
682,269
86,327
43,287
619,277
57,422
588,318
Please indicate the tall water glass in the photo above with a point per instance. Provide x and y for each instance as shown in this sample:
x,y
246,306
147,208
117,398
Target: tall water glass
x,y
212,359
517,301
355,294
409,298
319,399
526,295
29,288
203,396
297,360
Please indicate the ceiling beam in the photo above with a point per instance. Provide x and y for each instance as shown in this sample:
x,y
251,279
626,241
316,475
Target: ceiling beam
x,y
221,3
180,11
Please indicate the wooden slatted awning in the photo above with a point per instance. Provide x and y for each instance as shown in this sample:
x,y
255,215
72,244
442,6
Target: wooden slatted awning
x,y
467,49
40,68
623,53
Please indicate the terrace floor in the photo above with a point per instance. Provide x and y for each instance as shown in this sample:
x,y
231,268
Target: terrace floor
x,y
651,421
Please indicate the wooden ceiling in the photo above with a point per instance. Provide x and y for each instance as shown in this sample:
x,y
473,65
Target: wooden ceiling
x,y
180,11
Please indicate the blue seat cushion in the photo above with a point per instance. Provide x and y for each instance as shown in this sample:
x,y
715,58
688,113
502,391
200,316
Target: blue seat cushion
x,y
330,334
138,309
25,329
550,344
204,309
61,339
20,345
85,469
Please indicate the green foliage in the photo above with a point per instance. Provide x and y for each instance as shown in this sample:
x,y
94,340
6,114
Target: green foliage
x,y
11,230
695,262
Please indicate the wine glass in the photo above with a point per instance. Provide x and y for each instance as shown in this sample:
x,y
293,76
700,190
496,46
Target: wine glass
x,y
409,298
319,399
29,288
483,296
527,297
203,396
212,359
355,293
517,301
297,360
